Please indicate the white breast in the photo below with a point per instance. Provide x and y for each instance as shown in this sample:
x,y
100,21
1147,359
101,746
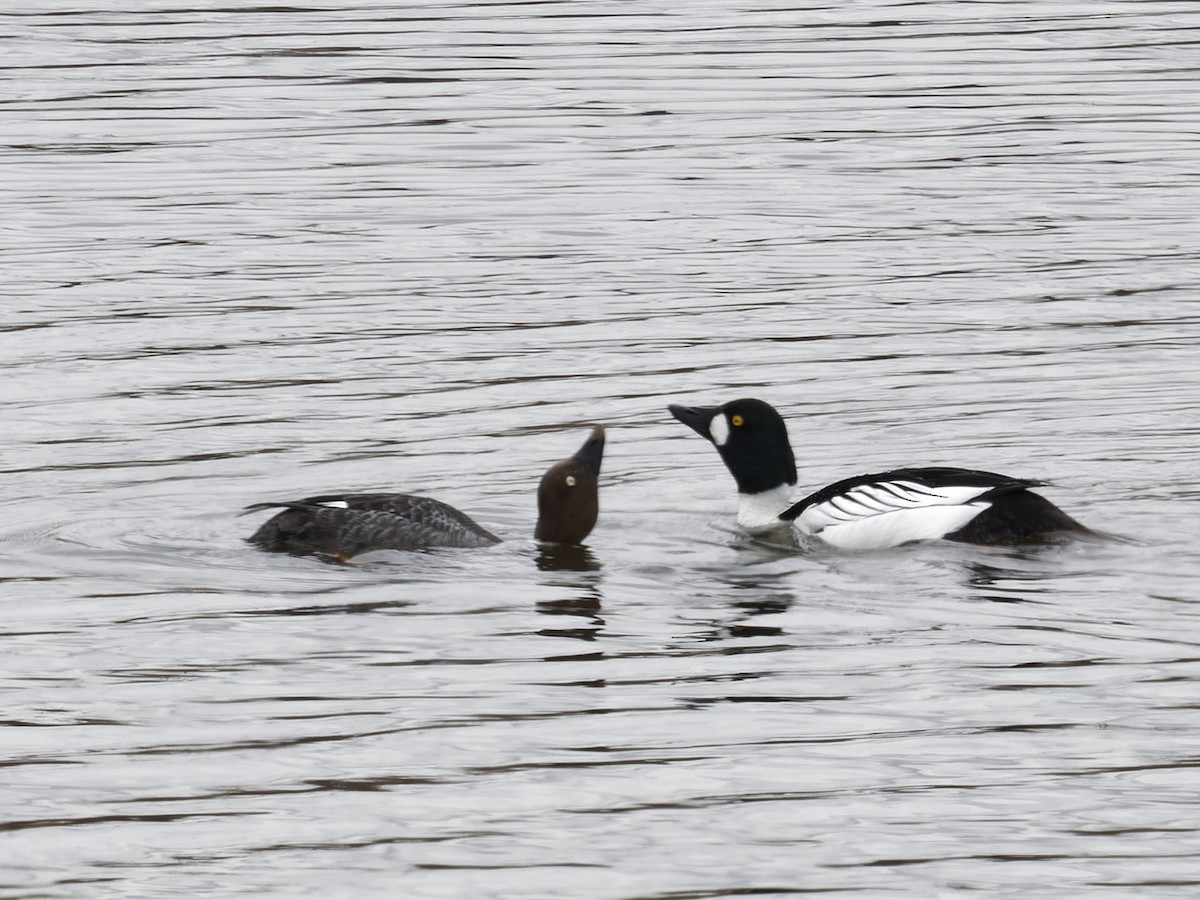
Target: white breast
x,y
760,512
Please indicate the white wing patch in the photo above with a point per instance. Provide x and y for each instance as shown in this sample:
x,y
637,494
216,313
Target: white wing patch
x,y
889,513
335,504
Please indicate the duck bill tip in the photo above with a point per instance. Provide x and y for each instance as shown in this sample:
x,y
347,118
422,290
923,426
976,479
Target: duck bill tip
x,y
696,418
591,454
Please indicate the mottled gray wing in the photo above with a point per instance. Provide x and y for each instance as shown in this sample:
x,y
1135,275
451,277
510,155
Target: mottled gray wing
x,y
349,524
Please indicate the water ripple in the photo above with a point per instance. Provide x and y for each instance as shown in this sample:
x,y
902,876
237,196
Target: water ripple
x,y
266,252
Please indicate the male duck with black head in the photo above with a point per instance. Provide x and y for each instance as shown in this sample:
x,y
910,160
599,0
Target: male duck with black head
x,y
342,526
875,511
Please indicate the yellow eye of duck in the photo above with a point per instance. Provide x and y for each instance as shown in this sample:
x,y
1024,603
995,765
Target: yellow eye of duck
x,y
570,481
736,420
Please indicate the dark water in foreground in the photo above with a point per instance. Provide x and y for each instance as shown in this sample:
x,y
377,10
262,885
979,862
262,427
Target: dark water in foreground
x,y
257,253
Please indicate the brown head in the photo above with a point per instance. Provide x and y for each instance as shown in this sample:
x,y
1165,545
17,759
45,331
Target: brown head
x,y
569,496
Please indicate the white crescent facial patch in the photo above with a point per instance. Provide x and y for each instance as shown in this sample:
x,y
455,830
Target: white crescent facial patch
x,y
718,430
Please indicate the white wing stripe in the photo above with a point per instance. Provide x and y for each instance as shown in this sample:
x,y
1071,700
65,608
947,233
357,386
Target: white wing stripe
x,y
900,526
846,508
835,512
914,491
870,498
864,502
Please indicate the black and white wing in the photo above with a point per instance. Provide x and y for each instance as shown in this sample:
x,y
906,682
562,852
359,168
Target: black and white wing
x,y
887,509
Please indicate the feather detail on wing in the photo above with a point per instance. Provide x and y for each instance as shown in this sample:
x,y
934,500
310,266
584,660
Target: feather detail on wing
x,y
893,508
348,524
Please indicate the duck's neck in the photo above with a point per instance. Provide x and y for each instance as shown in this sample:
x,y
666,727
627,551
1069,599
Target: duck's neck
x,y
760,512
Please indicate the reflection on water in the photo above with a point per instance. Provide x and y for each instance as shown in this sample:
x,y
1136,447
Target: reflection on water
x,y
275,251
566,558
575,572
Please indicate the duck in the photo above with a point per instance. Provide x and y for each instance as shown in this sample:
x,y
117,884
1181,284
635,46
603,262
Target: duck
x,y
874,511
341,526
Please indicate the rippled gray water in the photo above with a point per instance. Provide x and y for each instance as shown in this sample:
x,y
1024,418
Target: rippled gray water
x,y
251,253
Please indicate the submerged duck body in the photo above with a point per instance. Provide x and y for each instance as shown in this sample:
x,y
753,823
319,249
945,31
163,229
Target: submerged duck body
x,y
874,511
341,526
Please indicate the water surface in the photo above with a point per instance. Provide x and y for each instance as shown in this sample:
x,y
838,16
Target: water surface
x,y
255,253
